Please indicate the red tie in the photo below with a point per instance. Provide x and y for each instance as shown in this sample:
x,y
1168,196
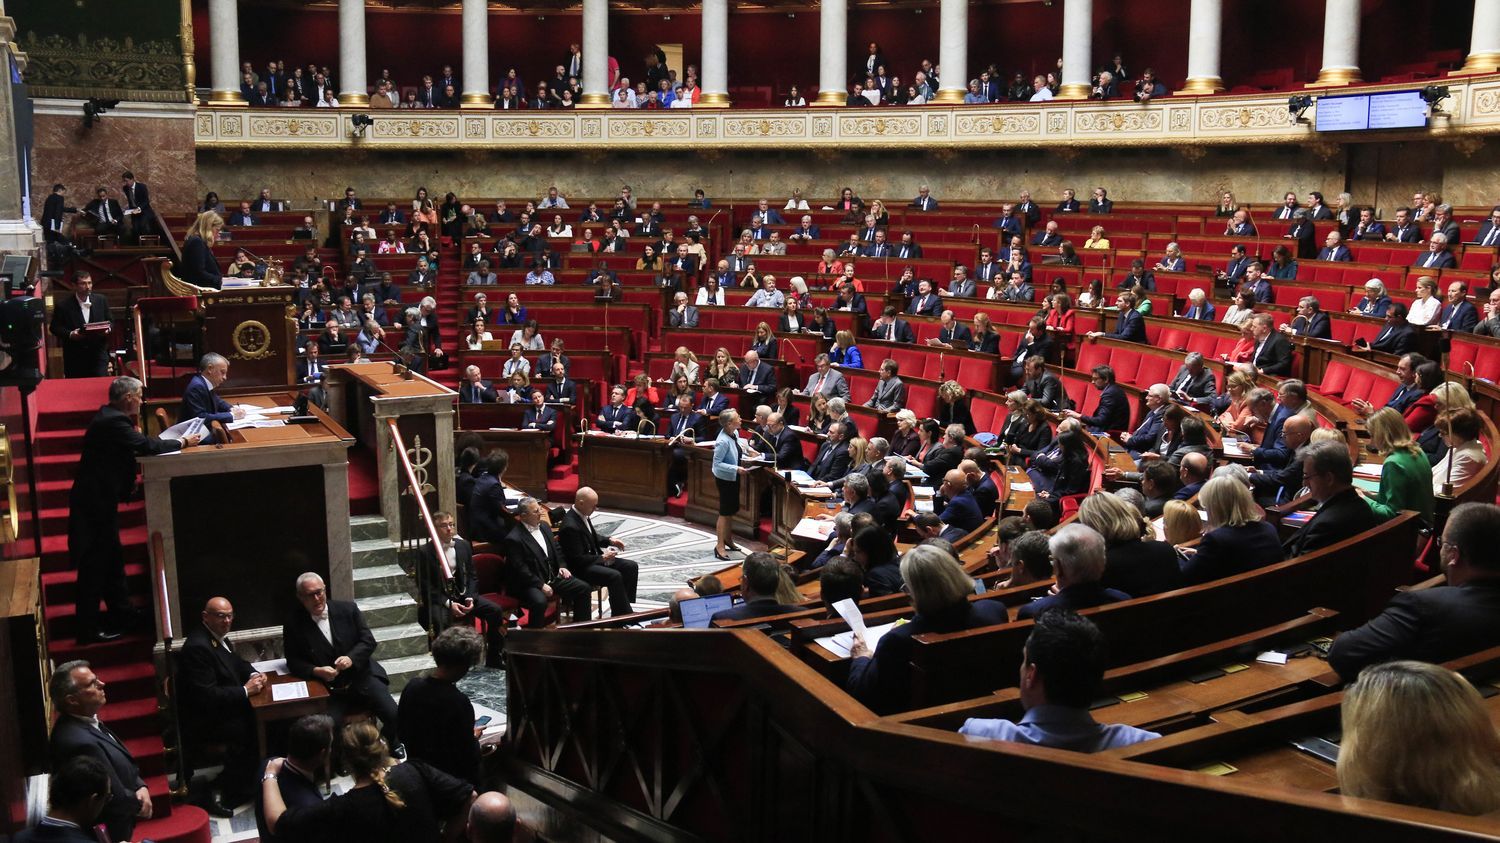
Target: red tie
x,y
819,387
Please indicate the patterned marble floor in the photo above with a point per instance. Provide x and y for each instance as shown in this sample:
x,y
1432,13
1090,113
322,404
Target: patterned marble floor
x,y
669,551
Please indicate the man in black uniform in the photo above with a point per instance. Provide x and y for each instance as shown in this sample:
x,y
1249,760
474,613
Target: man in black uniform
x,y
85,353
215,687
106,477
444,605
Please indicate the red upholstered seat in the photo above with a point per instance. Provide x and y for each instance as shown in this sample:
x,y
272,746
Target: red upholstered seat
x,y
489,572
921,399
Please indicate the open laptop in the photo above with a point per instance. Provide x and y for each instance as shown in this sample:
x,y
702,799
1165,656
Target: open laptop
x,y
697,613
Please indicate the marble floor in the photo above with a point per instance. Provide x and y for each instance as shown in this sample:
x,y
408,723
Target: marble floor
x,y
668,550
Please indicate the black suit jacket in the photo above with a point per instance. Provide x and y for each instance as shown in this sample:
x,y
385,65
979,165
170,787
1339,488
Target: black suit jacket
x,y
198,264
582,546
1395,339
831,462
1067,206
1101,206
306,648
763,377
1432,625
67,316
435,594
525,566
761,608
54,834
106,468
1275,356
489,520
211,683
96,209
1113,411
72,738
481,393
1341,516
1047,390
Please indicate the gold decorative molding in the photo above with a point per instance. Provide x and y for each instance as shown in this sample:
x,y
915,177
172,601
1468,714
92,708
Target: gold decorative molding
x,y
1337,76
1200,85
79,68
1168,122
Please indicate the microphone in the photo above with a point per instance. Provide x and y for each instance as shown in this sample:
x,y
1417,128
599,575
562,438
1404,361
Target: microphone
x,y
770,449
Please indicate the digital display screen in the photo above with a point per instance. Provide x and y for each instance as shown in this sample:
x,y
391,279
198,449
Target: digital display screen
x,y
1395,110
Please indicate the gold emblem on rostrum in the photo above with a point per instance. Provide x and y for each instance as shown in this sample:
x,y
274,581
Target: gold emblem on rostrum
x,y
252,341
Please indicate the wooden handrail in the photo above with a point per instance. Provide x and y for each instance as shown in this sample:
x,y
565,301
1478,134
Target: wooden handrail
x,y
411,477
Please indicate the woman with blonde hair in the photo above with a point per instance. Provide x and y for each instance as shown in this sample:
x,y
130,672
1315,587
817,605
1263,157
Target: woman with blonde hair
x,y
1180,522
1236,538
1419,734
405,802
817,413
953,407
764,342
1446,397
685,363
1424,309
1406,478
859,454
1133,564
1237,415
905,442
198,265
1096,240
722,368
844,352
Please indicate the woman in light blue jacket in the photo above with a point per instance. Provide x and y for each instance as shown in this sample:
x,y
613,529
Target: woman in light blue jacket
x,y
726,469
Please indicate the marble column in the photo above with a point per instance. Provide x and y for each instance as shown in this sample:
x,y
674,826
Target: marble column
x,y
953,51
715,54
595,54
1340,44
1484,43
224,52
476,44
833,56
1206,22
353,69
1078,49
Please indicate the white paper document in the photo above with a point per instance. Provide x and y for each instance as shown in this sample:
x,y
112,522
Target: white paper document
x,y
182,430
1232,448
812,529
289,691
271,667
849,611
1372,470
839,644
802,478
1020,487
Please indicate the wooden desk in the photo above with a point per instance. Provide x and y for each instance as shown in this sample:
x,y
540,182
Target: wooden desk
x,y
528,457
245,518
627,472
363,396
268,710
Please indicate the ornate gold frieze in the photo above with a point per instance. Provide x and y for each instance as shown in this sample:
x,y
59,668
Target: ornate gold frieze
x,y
81,67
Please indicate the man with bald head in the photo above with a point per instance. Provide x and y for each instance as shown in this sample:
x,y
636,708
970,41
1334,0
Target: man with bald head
x,y
215,686
492,819
1279,484
1193,471
596,559
958,506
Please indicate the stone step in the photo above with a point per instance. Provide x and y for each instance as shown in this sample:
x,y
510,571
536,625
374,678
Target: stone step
x,y
366,527
394,642
403,670
368,552
388,609
376,580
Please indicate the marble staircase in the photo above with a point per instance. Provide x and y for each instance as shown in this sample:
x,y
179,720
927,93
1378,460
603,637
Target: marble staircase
x,y
384,593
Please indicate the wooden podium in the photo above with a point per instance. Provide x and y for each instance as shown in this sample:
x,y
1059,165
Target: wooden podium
x,y
254,327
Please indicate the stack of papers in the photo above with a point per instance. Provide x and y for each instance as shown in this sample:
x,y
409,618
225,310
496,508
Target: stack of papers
x,y
289,691
182,430
839,644
1233,448
812,529
1373,470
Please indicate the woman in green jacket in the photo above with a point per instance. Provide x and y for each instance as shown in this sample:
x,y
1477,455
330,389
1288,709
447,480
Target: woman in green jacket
x,y
1405,480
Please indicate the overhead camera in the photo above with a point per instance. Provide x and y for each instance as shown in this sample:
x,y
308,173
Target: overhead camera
x,y
360,122
94,110
1433,95
1298,106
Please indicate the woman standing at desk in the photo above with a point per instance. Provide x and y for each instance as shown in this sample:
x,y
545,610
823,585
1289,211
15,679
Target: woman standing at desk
x,y
198,265
726,469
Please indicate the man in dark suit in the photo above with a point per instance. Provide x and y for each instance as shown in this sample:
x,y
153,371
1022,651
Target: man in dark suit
x,y
1130,325
1034,343
106,477
757,377
1069,204
199,401
1042,385
1078,554
787,446
1437,624
79,695
309,744
761,573
1489,232
1288,208
832,459
891,328
214,690
243,217
137,204
53,209
1404,229
1316,208
1310,321
1273,353
1101,203
1458,313
1328,473
1396,336
1368,228
1334,248
455,599
311,368
906,248
328,640
489,519
924,200
1147,434
535,571
1406,393
595,558
959,508
1305,233
85,353
1437,256
925,302
264,204
682,314
1028,210
1194,384
1048,238
1113,410
76,793
947,451
474,389
105,213
806,230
